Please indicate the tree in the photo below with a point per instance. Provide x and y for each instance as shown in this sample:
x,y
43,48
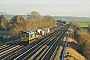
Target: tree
x,y
3,23
9,26
16,30
35,20
48,21
16,19
26,24
75,24
89,28
86,50
64,22
34,15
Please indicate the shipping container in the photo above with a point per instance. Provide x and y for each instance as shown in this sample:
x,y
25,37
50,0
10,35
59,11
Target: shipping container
x,y
46,30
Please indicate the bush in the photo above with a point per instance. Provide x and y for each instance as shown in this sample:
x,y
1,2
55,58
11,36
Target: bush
x,y
83,39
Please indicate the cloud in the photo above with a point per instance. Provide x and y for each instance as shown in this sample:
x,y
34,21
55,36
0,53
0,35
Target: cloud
x,y
26,2
49,2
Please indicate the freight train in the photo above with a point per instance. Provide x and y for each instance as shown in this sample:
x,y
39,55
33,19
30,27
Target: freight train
x,y
26,37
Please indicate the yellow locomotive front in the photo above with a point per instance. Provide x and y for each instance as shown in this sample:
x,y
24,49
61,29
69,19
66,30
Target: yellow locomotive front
x,y
25,38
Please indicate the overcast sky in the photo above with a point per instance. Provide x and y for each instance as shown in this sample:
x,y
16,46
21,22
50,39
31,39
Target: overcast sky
x,y
47,7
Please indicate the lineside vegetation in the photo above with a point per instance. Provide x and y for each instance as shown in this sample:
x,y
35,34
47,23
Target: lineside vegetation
x,y
83,38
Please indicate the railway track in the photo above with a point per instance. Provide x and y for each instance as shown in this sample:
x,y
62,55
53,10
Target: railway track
x,y
47,55
36,49
46,48
8,46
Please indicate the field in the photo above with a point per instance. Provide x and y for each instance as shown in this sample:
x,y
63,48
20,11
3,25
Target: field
x,y
82,23
5,37
3,33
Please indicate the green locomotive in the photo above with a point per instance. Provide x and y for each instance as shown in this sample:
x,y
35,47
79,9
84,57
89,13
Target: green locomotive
x,y
27,36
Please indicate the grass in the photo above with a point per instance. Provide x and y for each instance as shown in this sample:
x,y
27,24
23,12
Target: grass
x,y
6,37
4,33
82,23
73,53
0,42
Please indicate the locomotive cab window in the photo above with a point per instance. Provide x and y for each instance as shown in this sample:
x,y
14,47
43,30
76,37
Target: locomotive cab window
x,y
23,35
27,35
